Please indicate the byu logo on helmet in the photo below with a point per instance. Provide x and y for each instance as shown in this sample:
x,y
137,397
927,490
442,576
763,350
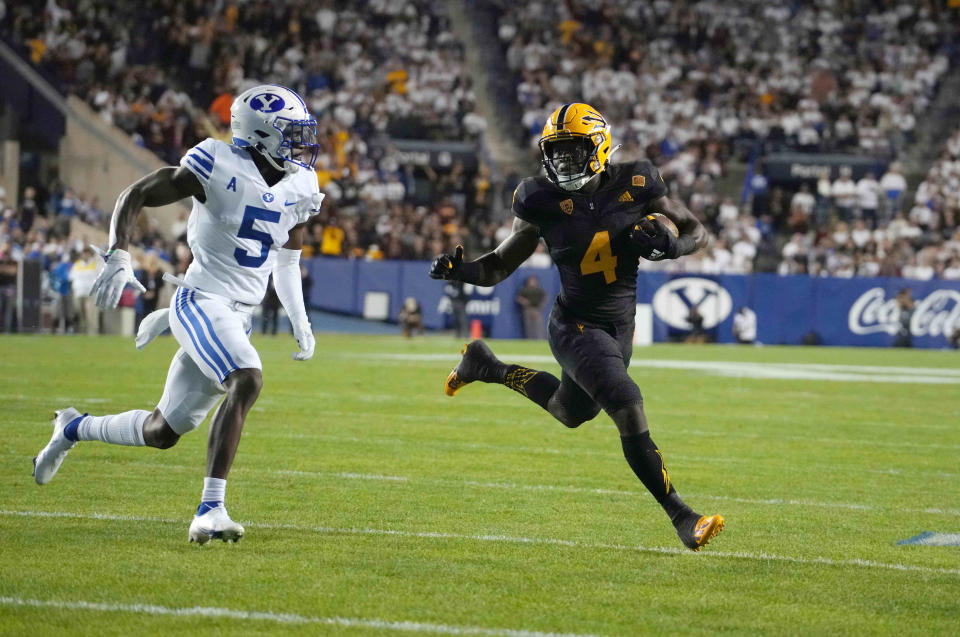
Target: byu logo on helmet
x,y
673,301
267,103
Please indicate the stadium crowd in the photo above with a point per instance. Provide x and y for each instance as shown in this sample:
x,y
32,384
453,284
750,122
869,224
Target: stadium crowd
x,y
718,79
166,73
687,83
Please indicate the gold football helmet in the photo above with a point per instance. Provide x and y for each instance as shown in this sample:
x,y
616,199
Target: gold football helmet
x,y
575,145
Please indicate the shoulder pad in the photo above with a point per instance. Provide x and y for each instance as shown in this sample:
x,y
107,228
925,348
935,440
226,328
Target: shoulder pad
x,y
533,197
643,174
202,158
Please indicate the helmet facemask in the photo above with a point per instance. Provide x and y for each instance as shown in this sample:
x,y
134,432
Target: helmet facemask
x,y
568,160
299,142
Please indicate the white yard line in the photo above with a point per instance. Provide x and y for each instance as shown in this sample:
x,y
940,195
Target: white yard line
x,y
508,539
515,486
613,451
737,369
278,618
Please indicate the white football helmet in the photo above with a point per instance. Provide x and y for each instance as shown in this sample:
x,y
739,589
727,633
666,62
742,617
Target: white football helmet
x,y
274,120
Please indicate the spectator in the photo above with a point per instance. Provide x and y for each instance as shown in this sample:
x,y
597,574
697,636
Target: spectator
x,y
411,317
270,309
905,304
845,196
82,275
745,325
868,191
695,319
803,200
532,298
893,184
8,288
152,279
459,297
824,199
60,285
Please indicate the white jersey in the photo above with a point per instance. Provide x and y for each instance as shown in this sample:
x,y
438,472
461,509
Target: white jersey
x,y
234,235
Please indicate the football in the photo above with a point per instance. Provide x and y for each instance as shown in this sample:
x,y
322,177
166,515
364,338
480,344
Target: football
x,y
666,221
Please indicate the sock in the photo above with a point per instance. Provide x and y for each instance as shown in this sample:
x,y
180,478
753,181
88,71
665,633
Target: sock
x,y
214,493
119,429
644,458
536,385
70,431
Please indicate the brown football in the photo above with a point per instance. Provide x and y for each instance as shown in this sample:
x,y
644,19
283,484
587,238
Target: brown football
x,y
666,221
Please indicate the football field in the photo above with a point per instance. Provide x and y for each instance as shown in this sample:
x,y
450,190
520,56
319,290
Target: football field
x,y
376,505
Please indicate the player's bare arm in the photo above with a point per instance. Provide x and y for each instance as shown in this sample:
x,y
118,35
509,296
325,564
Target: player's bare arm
x,y
295,242
162,187
159,188
492,267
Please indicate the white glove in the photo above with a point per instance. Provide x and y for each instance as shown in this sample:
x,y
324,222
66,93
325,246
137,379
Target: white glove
x,y
114,276
304,335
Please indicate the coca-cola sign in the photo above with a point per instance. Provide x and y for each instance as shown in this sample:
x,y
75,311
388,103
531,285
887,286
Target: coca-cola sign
x,y
938,314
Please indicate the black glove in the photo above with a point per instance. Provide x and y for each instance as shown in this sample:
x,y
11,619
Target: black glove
x,y
446,266
652,240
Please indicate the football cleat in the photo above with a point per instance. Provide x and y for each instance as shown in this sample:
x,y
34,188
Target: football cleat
x,y
214,524
478,363
695,533
46,463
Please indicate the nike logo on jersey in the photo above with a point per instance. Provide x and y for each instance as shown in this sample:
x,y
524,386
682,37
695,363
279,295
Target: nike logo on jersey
x,y
289,203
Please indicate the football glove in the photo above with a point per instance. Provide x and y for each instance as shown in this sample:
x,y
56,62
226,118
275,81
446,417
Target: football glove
x,y
304,335
446,266
652,240
113,277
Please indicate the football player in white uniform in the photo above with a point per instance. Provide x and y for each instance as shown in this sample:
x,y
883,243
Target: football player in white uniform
x,y
251,202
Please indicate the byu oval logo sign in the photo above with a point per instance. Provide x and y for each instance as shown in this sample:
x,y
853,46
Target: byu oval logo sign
x,y
266,103
673,301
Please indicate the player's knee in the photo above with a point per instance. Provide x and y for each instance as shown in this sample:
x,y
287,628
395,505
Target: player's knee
x,y
630,419
245,384
157,433
570,416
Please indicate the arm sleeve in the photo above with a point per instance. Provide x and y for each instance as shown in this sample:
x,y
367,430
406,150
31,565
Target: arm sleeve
x,y
286,279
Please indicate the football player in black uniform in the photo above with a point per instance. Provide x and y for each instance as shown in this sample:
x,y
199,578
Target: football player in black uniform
x,y
597,220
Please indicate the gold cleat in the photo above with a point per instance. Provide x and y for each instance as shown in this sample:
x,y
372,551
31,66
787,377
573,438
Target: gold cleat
x,y
453,383
478,363
706,528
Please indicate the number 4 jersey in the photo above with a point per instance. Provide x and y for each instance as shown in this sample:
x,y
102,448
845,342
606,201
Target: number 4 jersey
x,y
234,235
587,233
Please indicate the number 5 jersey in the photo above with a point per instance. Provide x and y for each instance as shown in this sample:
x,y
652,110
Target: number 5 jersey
x,y
234,234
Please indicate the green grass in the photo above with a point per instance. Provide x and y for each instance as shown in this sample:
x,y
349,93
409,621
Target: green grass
x,y
498,517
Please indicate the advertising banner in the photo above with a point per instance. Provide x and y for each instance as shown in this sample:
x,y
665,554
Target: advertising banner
x,y
790,309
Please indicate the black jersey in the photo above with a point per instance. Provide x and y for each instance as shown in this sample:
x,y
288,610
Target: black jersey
x,y
586,235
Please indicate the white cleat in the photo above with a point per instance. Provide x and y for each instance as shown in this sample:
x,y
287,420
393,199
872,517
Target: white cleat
x,y
50,458
215,524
